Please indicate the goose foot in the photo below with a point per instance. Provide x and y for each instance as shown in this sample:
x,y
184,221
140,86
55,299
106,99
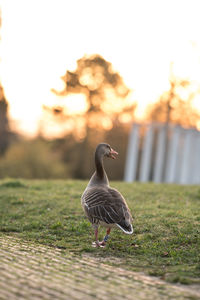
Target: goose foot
x,y
103,243
98,244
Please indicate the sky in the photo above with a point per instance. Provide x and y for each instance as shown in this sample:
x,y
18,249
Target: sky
x,y
41,39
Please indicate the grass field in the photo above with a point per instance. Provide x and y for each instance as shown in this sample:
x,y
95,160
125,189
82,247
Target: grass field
x,y
166,239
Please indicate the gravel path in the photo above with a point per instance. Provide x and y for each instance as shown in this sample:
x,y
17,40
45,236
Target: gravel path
x,y
30,271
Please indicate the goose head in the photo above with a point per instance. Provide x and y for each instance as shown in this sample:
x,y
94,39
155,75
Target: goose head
x,y
104,149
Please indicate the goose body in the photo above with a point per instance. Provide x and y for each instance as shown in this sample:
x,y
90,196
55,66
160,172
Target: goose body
x,y
102,204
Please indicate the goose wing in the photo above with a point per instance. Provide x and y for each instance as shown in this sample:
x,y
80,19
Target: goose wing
x,y
107,205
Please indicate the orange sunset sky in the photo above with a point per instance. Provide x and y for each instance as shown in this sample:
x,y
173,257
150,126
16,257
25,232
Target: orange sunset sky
x,y
41,39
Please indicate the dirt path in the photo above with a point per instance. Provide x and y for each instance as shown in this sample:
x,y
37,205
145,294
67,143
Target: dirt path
x,y
29,271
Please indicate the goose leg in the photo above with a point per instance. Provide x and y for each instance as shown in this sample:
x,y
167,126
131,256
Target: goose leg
x,y
103,243
96,243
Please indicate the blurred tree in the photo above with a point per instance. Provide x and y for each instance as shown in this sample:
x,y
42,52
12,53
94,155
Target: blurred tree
x,y
175,105
103,88
107,108
4,125
32,159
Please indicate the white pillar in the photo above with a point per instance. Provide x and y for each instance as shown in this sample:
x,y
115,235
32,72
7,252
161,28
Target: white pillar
x,y
132,155
185,171
172,155
179,158
197,174
146,158
195,178
160,155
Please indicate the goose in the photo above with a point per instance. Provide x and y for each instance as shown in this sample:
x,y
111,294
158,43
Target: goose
x,y
102,204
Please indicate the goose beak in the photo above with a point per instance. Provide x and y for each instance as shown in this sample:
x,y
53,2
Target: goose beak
x,y
112,153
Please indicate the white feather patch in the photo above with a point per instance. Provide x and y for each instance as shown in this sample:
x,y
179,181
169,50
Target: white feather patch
x,y
127,232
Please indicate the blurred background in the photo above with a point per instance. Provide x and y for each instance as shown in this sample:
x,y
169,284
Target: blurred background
x,y
77,73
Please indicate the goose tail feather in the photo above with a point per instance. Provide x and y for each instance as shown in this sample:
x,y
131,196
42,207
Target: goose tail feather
x,y
126,229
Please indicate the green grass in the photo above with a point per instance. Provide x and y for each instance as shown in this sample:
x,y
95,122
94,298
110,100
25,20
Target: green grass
x,y
166,239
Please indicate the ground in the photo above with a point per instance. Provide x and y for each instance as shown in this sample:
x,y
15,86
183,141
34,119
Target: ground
x,y
32,271
46,252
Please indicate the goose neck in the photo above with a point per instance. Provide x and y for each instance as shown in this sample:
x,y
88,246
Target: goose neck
x,y
99,165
